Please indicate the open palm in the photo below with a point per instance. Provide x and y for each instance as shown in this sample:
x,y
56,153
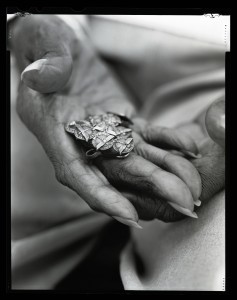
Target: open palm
x,y
73,83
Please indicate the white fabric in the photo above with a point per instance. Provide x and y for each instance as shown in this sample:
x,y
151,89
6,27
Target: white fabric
x,y
203,28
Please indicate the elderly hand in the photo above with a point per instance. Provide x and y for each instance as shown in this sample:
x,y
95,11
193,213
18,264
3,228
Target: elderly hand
x,y
209,133
64,80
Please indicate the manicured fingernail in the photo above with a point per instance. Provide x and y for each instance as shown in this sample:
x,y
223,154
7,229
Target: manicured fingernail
x,y
128,222
37,65
197,202
191,154
183,210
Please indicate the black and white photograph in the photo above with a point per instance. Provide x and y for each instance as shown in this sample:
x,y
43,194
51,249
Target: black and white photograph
x,y
117,133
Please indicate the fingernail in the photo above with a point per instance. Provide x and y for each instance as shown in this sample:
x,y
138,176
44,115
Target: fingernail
x,y
128,222
37,65
183,210
197,202
191,154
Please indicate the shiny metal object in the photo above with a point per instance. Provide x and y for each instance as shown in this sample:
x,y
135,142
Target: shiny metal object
x,y
107,134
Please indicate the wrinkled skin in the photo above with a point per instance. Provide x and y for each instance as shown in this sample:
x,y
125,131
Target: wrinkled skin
x,y
74,83
209,133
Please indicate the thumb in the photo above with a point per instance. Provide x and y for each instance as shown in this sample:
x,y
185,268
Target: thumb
x,y
49,74
215,122
44,47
